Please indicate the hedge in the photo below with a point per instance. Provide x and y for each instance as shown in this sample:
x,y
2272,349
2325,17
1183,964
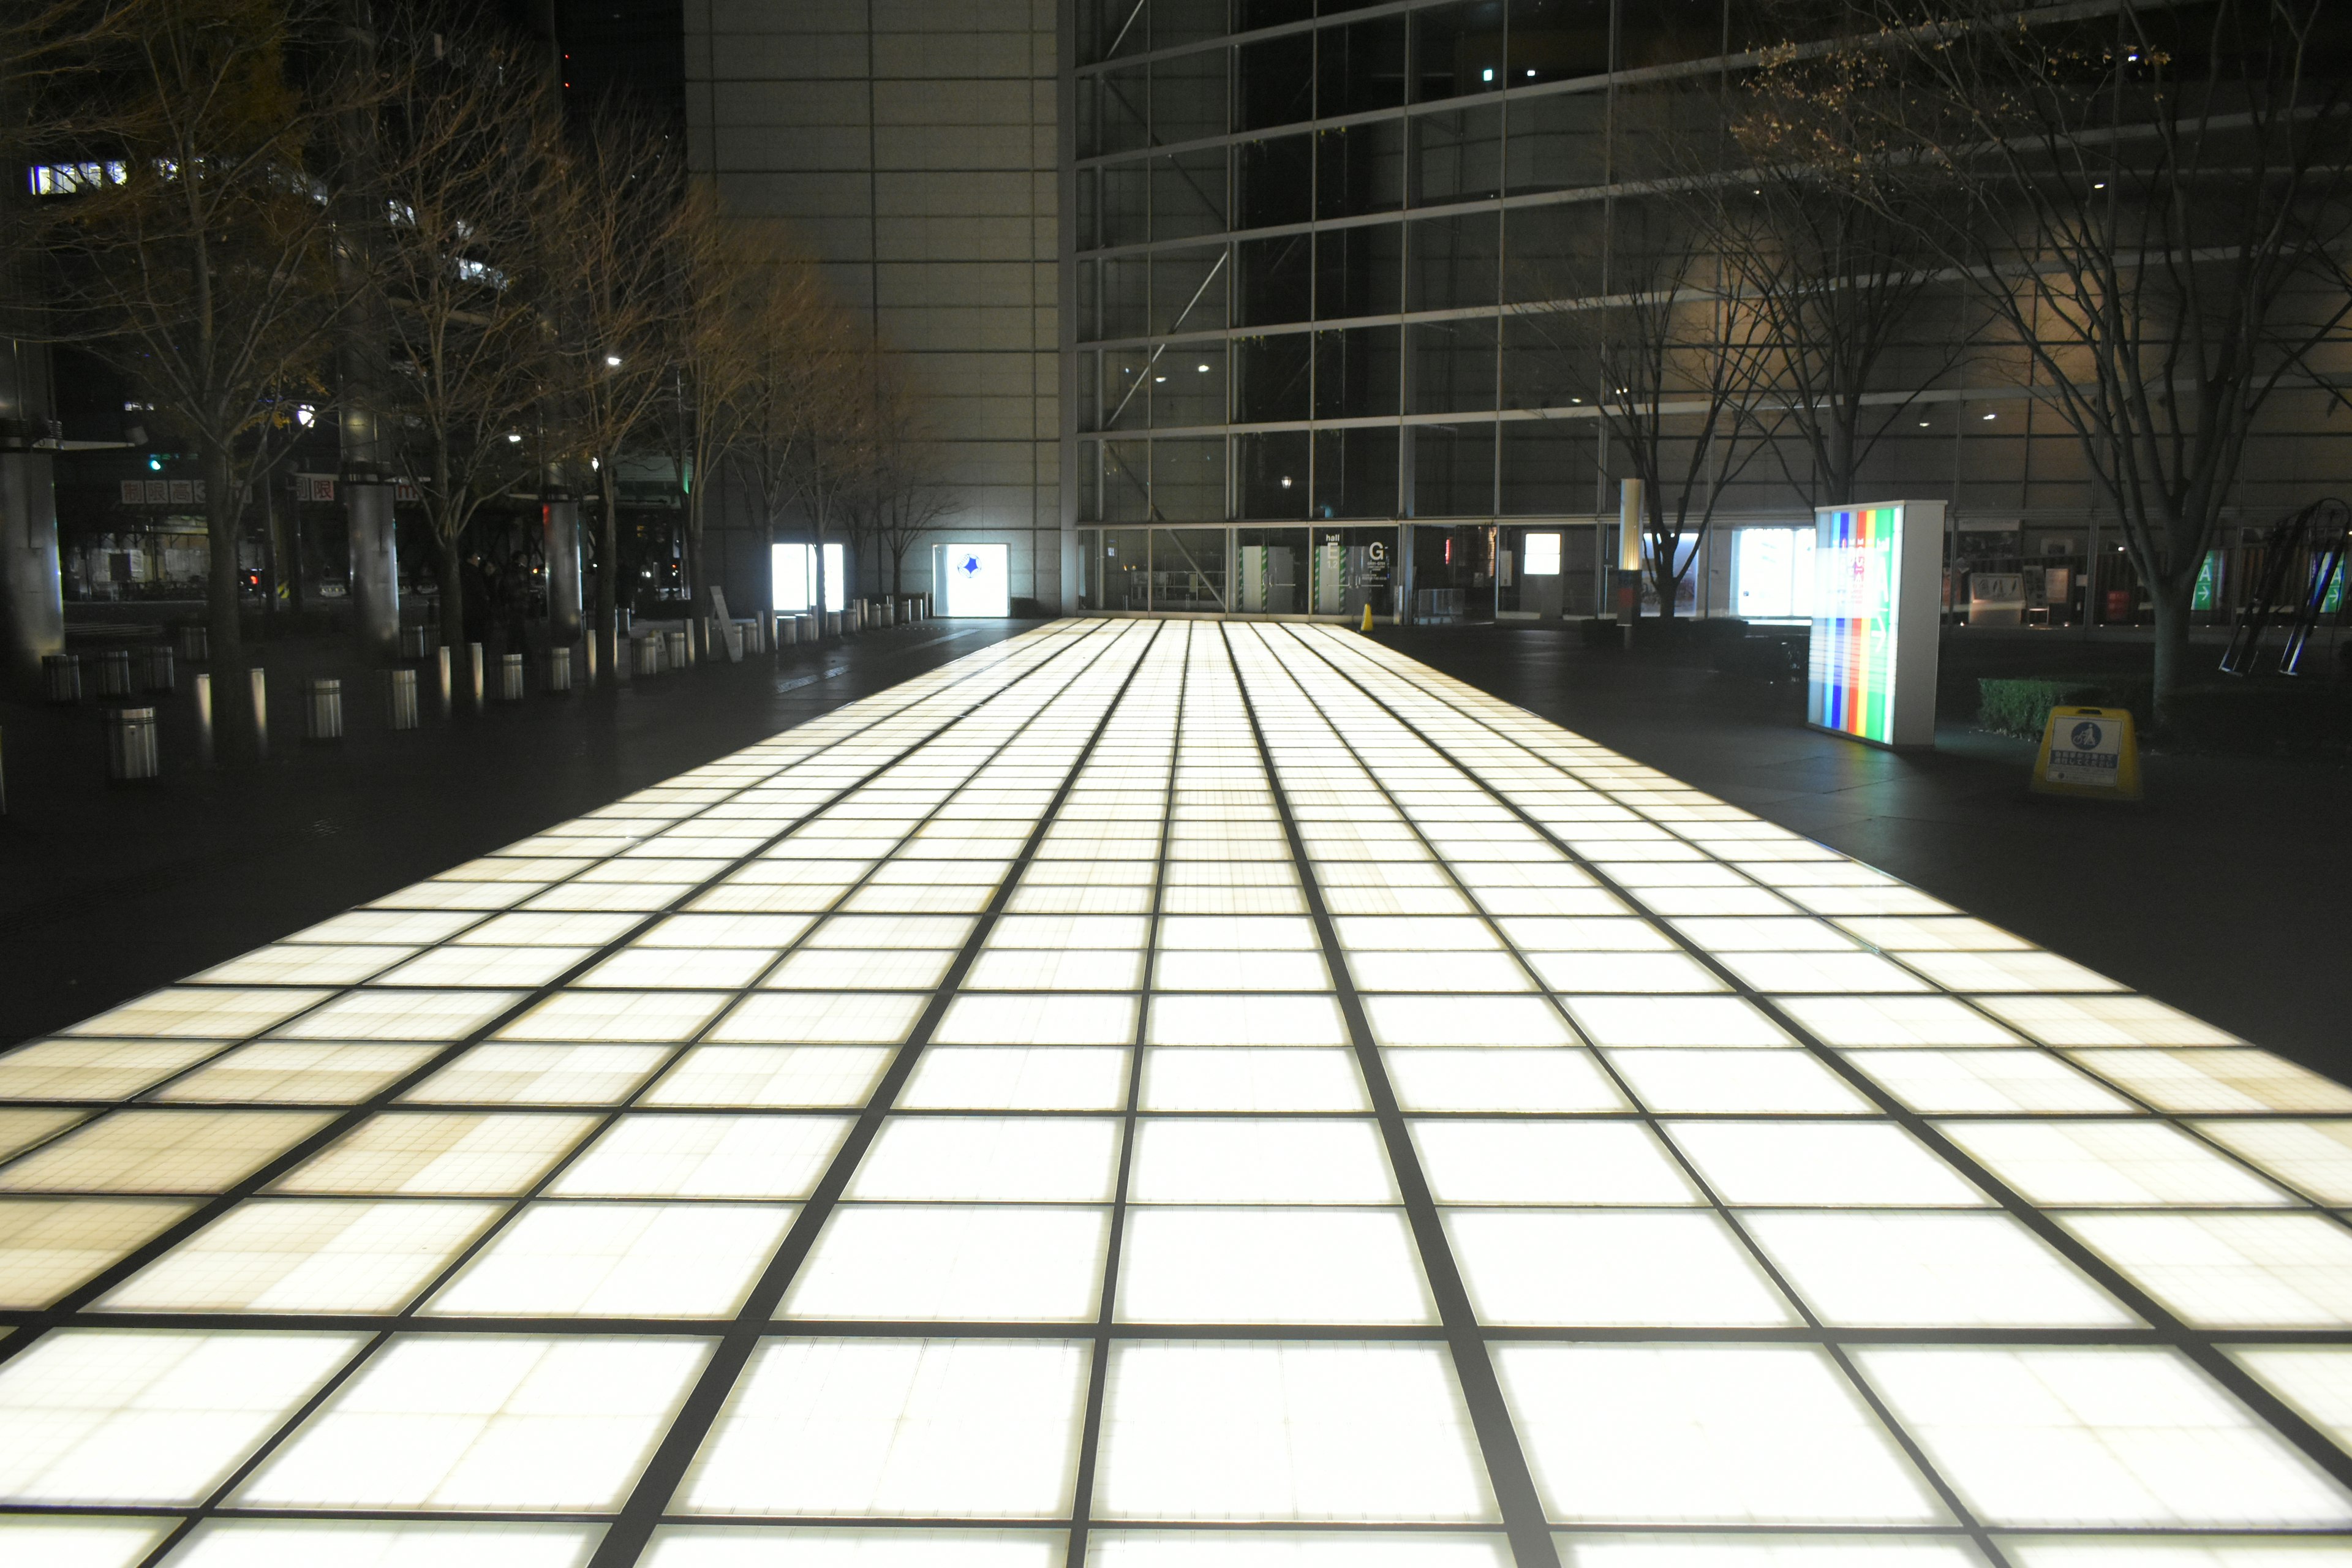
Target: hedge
x,y
2021,706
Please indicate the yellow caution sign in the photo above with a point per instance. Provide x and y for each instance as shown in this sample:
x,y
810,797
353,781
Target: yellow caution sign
x,y
2089,752
1367,619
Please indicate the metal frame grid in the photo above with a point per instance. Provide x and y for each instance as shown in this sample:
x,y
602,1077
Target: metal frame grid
x,y
1160,1090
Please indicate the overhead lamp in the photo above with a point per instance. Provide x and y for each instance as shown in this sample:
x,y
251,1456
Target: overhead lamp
x,y
1286,481
514,439
613,359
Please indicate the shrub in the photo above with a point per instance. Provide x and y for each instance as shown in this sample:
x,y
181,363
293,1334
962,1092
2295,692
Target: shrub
x,y
2021,705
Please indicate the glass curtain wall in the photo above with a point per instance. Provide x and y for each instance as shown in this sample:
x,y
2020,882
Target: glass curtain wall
x,y
1299,239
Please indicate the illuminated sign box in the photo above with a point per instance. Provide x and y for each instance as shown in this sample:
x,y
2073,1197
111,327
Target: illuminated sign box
x,y
1877,594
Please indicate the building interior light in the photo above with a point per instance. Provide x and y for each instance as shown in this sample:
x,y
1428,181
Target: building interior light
x,y
155,466
1286,481
514,439
1486,75
1157,379
1991,416
1923,424
1531,71
613,359
1203,369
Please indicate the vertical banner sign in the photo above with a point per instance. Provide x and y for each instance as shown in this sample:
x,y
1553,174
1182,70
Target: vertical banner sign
x,y
1877,571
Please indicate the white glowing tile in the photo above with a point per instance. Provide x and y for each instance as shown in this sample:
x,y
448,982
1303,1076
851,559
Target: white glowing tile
x,y
1038,1020
1586,935
1871,1021
1245,1020
619,1261
667,966
1644,972
1860,901
1228,1431
1736,934
989,1159
1583,1268
541,1075
1260,1079
438,1155
818,1018
1254,934
1675,1081
456,1422
2104,1021
1417,934
909,1428
307,1256
2315,1382
388,926
1521,1021
481,963
303,963
1242,1159
297,1072
890,930
1987,1080
1518,1163
1512,1079
2110,1163
609,897
1931,934
1574,901
1292,1549
50,1247
959,1263
2231,1271
2097,1435
435,893
586,1015
303,1543
2316,1156
1833,1163
1821,972
112,1415
1017,1077
161,1151
1212,970
1033,968
1705,1433
1233,1265
54,1540
705,932
689,1156
96,1070
2223,1079
790,1078
216,1012
1889,1269
861,969
2029,970
1729,896
1674,1021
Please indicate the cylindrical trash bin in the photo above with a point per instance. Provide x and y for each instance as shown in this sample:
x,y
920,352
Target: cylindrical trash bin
x,y
61,677
323,709
788,632
511,677
195,644
162,671
401,694
559,669
130,752
644,656
114,672
679,655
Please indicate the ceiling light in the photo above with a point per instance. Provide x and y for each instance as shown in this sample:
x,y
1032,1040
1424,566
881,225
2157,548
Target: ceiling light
x,y
1286,481
1989,416
513,438
1202,368
613,359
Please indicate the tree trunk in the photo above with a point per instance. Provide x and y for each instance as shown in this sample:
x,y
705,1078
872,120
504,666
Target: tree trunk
x,y
231,698
2172,613
608,572
451,569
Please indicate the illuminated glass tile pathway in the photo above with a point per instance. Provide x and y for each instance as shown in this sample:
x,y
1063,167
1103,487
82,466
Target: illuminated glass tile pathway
x,y
1156,1093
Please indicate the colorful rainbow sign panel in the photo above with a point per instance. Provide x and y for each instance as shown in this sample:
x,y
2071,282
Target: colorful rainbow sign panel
x,y
1873,666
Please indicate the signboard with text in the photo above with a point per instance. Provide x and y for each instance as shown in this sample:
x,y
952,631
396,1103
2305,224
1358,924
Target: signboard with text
x,y
1877,577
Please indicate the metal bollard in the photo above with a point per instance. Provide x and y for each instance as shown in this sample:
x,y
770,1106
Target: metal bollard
x,y
200,694
261,685
680,650
114,672
588,660
400,691
559,669
511,677
474,658
788,632
644,656
441,664
416,642
323,709
61,677
195,644
161,672
131,745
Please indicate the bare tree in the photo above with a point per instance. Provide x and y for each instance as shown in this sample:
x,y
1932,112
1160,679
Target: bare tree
x,y
201,262
2155,203
1682,365
474,140
797,345
719,277
905,498
609,233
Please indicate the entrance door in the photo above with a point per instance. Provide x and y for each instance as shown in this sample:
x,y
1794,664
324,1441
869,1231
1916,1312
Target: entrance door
x,y
979,579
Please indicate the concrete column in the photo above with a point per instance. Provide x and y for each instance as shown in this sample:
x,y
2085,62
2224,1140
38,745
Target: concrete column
x,y
562,517
32,608
375,568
